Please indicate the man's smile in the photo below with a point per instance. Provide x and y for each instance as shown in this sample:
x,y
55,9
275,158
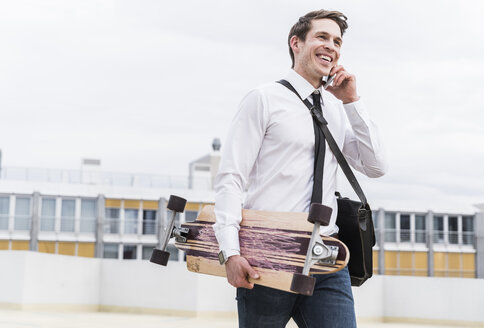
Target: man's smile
x,y
326,58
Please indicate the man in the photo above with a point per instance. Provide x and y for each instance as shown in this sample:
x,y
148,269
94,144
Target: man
x,y
270,149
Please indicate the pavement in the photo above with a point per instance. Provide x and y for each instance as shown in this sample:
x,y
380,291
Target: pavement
x,y
47,319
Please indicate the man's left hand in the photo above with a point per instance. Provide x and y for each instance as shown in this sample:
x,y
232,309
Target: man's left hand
x,y
344,85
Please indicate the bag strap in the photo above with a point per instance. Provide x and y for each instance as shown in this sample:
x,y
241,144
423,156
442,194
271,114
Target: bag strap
x,y
332,144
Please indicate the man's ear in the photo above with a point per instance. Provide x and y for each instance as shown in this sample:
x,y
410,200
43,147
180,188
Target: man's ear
x,y
294,43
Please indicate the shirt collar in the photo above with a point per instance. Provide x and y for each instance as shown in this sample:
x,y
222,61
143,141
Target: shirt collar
x,y
302,86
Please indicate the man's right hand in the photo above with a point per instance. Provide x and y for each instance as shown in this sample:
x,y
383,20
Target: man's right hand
x,y
238,269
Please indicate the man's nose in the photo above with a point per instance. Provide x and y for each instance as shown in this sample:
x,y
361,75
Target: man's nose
x,y
328,45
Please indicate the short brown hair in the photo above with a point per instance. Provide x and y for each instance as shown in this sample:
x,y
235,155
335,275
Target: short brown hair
x,y
303,25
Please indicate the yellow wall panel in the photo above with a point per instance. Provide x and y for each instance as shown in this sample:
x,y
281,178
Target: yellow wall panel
x,y
150,205
85,249
469,261
20,245
454,274
453,261
113,203
3,244
406,260
192,207
468,275
47,247
390,262
439,261
440,274
406,272
421,260
391,272
375,261
131,204
66,248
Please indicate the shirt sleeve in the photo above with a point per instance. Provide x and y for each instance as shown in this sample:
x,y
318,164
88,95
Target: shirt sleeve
x,y
239,154
362,144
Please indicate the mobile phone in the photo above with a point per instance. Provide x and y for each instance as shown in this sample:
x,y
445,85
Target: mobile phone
x,y
328,81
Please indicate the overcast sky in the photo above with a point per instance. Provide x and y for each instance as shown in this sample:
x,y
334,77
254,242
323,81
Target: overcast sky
x,y
146,85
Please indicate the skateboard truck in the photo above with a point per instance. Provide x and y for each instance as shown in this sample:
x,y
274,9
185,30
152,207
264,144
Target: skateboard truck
x,y
318,251
160,255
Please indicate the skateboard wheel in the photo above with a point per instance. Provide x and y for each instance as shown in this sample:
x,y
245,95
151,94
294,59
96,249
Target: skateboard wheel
x,y
319,213
303,284
160,257
176,204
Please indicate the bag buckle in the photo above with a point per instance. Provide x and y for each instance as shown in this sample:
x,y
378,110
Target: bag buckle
x,y
318,115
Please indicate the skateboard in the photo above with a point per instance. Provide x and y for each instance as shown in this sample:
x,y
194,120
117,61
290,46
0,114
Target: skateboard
x,y
284,248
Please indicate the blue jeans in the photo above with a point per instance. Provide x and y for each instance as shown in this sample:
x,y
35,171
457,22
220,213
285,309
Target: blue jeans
x,y
330,306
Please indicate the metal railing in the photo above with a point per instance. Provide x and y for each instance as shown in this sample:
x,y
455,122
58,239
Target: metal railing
x,y
88,225
131,226
3,222
47,223
420,237
22,222
149,227
100,178
111,226
68,224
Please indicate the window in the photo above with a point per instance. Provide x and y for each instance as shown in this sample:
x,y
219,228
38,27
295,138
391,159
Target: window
x,y
68,215
110,251
173,252
22,213
420,229
47,215
129,252
190,216
439,229
147,250
130,221
390,227
88,215
453,230
169,214
111,224
467,230
4,208
405,228
149,222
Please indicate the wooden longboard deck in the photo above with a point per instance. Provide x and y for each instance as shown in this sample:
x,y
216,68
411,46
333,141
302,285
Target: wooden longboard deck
x,y
274,243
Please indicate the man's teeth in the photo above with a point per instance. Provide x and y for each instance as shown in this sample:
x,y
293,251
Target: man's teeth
x,y
328,59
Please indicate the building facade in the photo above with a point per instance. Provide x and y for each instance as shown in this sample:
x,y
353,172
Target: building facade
x,y
122,216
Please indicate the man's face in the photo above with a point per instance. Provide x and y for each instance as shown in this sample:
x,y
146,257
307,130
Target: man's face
x,y
319,53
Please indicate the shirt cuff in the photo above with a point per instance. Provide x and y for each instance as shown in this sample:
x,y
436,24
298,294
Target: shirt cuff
x,y
228,240
356,112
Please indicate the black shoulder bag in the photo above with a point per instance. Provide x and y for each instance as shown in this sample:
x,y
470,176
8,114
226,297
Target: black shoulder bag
x,y
354,218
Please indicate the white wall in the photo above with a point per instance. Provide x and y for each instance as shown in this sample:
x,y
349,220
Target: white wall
x,y
12,273
37,278
30,278
434,298
146,285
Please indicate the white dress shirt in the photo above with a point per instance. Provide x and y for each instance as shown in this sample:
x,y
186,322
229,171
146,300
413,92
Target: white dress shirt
x,y
270,150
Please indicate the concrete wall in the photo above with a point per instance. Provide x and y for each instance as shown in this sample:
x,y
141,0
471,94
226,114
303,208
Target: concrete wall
x,y
141,284
447,299
31,278
36,280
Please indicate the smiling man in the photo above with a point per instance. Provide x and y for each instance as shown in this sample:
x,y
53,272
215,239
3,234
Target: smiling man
x,y
271,149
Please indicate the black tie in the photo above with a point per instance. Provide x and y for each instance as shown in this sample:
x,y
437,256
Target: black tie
x,y
319,150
